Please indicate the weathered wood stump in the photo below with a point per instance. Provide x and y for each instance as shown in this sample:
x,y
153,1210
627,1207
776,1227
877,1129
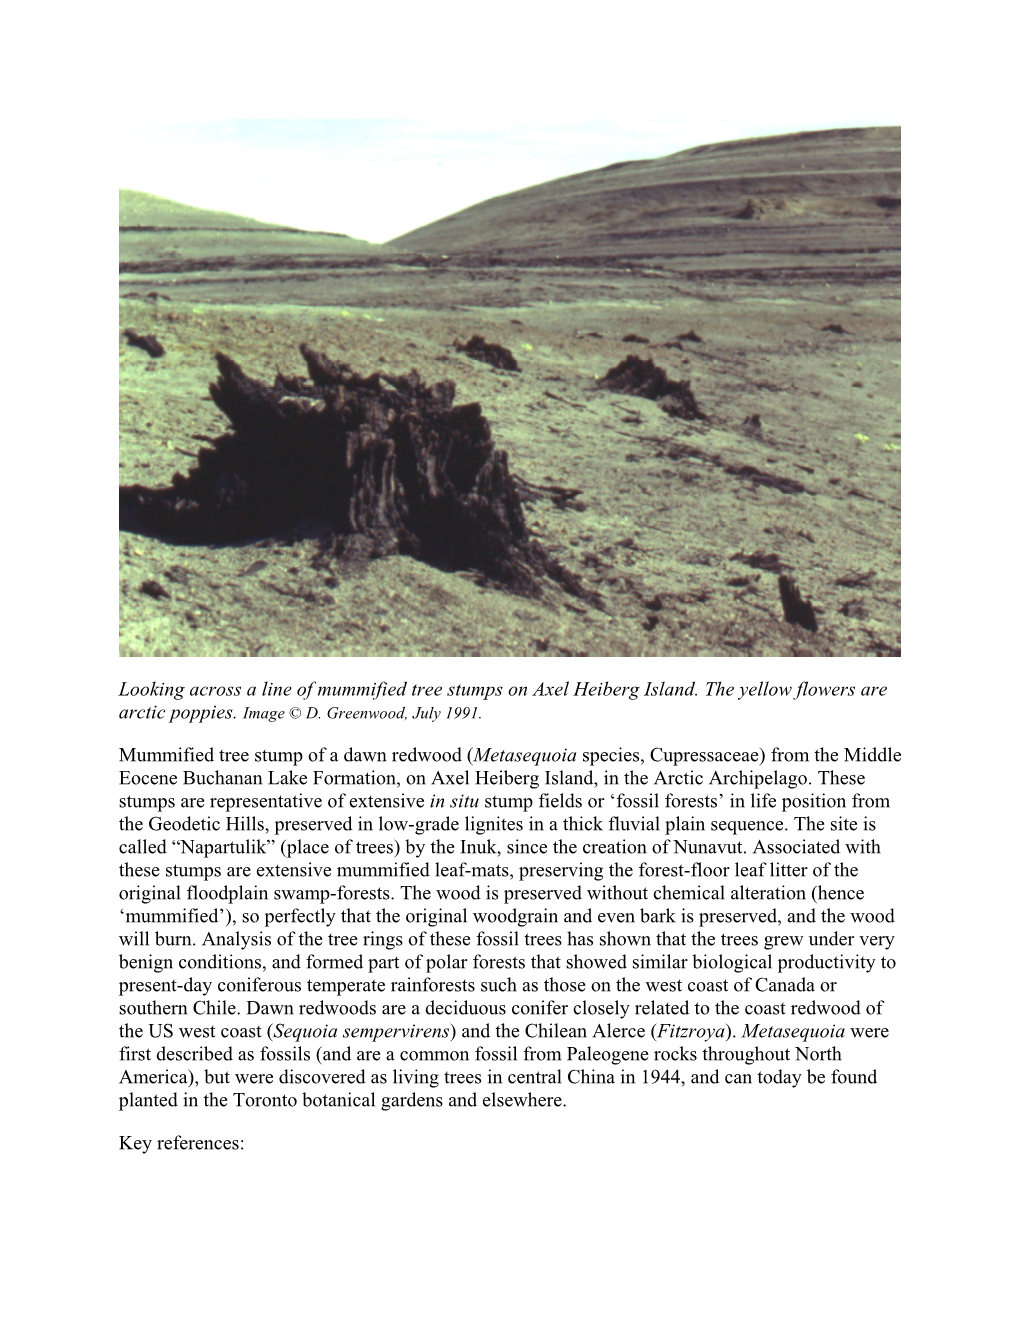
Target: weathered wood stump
x,y
149,343
642,378
795,608
482,351
375,465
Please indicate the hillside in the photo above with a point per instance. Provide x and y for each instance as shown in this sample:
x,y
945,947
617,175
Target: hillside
x,y
166,240
802,195
140,210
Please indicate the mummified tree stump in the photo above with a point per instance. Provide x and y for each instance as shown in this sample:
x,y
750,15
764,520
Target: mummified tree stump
x,y
795,608
642,378
482,351
377,465
149,343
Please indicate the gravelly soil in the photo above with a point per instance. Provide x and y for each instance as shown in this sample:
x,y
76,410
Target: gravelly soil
x,y
675,524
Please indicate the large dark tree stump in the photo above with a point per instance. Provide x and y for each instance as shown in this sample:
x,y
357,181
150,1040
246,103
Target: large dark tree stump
x,y
377,465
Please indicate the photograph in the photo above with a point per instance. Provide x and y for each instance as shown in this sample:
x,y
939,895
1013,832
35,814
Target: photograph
x,y
602,389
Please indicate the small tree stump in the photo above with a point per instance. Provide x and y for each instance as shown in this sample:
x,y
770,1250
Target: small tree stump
x,y
642,378
482,351
149,343
795,609
379,465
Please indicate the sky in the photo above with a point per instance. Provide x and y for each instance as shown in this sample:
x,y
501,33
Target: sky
x,y
376,179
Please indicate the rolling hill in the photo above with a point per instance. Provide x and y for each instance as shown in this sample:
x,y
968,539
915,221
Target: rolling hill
x,y
800,196
159,236
140,210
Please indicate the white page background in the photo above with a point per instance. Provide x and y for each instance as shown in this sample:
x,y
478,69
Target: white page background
x,y
889,1202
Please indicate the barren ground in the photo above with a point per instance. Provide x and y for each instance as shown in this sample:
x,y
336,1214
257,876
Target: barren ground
x,y
676,523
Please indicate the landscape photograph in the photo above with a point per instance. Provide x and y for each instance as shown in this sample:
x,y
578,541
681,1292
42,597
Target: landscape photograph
x,y
649,407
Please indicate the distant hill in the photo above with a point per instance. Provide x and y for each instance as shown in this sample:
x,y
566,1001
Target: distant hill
x,y
793,196
162,239
139,210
